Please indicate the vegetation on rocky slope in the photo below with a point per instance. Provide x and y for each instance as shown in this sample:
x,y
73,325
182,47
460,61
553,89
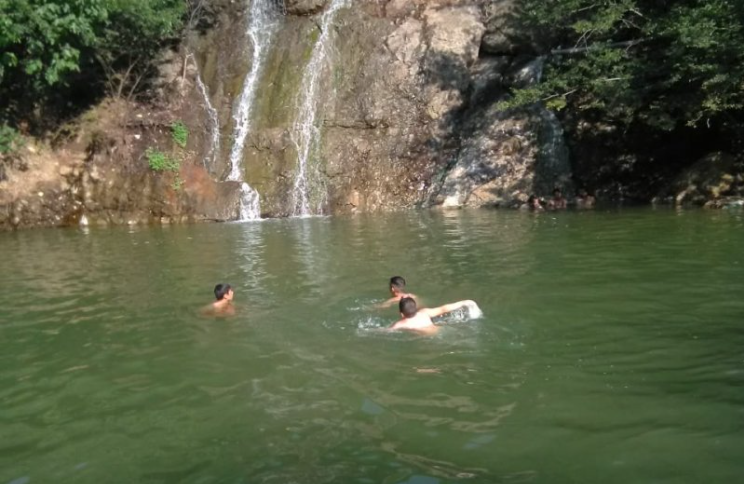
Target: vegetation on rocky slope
x,y
652,73
643,61
59,55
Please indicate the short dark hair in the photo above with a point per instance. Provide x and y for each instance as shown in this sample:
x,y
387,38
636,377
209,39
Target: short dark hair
x,y
407,307
557,190
398,282
221,290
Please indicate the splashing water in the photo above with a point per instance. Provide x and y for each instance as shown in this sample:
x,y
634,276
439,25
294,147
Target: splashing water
x,y
473,310
261,27
305,133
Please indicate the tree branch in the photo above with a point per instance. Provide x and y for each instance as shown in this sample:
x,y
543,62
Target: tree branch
x,y
580,50
568,93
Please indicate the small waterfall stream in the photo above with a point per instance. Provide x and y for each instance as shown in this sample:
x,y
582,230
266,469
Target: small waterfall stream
x,y
305,133
262,24
214,122
553,166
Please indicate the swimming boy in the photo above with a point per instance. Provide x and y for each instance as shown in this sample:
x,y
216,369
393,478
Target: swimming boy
x,y
584,200
223,306
558,202
419,320
398,291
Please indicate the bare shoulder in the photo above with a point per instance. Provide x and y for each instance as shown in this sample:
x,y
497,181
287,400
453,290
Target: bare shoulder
x,y
212,311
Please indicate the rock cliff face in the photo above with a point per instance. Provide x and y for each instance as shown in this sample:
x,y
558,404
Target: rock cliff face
x,y
103,179
405,115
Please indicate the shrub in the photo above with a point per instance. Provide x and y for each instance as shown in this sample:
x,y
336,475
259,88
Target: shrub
x,y
10,140
180,133
160,161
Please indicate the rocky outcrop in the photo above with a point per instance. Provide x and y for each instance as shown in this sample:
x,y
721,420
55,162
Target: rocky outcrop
x,y
103,178
398,109
304,7
716,180
407,116
505,34
506,157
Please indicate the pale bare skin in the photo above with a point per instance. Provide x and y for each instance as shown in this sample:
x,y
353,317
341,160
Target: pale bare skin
x,y
422,323
223,307
397,296
558,202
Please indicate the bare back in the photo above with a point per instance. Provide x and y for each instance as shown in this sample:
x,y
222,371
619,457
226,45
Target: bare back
x,y
420,323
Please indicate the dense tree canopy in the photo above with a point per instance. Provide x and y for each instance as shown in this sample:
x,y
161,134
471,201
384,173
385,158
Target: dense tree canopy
x,y
661,63
42,40
102,44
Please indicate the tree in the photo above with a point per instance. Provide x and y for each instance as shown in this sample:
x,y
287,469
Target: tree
x,y
660,63
41,40
48,47
134,34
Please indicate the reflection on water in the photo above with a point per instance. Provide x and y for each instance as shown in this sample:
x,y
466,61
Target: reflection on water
x,y
609,351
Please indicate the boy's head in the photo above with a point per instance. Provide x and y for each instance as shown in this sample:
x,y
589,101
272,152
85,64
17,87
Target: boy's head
x,y
557,193
397,285
407,307
223,291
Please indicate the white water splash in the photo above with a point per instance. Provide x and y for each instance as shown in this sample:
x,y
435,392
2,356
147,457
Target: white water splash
x,y
305,133
214,122
261,28
474,311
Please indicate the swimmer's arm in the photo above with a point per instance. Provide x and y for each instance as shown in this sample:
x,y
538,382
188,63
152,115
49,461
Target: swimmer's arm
x,y
395,300
387,304
447,308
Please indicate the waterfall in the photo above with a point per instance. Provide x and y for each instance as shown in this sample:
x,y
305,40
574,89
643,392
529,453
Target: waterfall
x,y
214,122
305,133
552,167
261,27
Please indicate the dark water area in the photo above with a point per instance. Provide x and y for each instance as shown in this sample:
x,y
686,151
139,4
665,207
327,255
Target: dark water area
x,y
611,350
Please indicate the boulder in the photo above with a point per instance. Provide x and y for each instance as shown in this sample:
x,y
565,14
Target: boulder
x,y
715,177
504,35
505,157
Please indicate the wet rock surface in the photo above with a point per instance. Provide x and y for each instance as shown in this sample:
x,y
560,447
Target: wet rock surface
x,y
408,95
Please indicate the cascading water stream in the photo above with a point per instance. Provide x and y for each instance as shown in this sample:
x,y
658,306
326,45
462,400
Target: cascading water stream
x,y
214,122
262,25
305,133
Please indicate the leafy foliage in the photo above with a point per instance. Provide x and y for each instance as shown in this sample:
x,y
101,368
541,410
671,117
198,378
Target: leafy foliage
x,y
10,140
177,184
659,63
103,45
43,39
180,133
160,161
134,34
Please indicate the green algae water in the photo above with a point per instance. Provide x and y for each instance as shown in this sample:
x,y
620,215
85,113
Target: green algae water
x,y
611,350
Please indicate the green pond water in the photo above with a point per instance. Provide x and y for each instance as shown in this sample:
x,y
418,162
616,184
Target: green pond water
x,y
611,351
